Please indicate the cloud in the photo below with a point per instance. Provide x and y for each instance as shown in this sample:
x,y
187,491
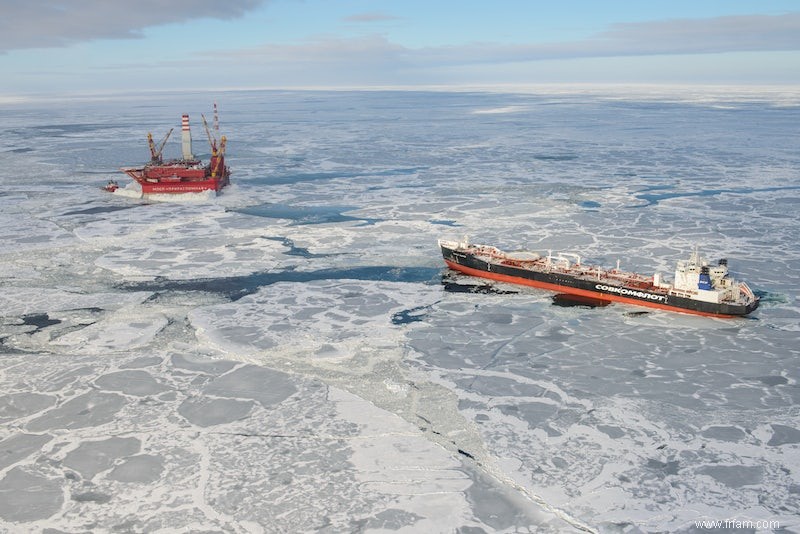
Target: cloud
x,y
667,37
370,49
744,33
59,23
372,16
375,60
753,33
325,60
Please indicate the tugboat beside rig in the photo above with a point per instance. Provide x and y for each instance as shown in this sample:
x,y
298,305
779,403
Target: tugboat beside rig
x,y
185,175
698,288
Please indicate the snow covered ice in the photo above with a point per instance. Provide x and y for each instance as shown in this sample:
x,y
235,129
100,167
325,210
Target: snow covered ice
x,y
287,357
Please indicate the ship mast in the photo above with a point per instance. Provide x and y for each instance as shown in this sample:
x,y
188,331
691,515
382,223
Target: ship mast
x,y
216,117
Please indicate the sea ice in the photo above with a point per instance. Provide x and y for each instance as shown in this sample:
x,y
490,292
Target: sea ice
x,y
286,356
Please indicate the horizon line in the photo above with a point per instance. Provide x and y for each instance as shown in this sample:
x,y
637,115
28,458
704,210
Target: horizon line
x,y
596,88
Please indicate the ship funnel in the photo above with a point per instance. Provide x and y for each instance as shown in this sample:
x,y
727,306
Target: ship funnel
x,y
186,138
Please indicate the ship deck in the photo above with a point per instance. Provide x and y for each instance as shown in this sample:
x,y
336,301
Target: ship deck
x,y
588,272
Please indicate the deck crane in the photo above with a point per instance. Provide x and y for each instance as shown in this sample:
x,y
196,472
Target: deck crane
x,y
212,141
155,153
217,155
219,158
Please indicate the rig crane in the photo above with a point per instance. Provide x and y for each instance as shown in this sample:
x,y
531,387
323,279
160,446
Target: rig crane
x,y
219,158
155,153
212,141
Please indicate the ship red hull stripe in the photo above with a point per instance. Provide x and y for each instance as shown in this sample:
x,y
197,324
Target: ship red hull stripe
x,y
180,187
573,290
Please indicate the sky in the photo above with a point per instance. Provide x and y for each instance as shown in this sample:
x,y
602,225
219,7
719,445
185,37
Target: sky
x,y
108,46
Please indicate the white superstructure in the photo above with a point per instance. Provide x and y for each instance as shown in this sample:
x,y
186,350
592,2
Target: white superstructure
x,y
695,278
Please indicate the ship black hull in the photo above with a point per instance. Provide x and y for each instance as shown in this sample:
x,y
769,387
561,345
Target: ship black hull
x,y
563,283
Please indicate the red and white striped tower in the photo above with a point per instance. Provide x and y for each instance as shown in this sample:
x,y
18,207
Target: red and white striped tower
x,y
186,137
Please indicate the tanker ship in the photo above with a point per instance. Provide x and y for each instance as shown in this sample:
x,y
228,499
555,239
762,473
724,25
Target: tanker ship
x,y
184,175
698,288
